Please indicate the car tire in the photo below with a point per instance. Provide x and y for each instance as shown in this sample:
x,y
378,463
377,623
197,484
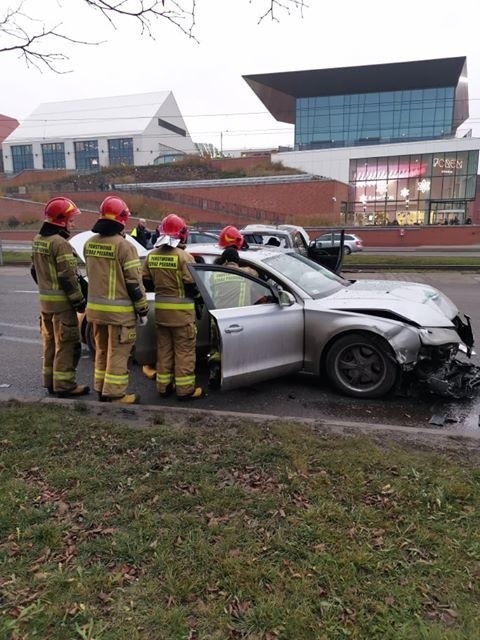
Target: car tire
x,y
346,250
361,365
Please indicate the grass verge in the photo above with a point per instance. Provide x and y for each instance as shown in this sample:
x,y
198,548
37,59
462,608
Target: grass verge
x,y
231,531
410,259
15,257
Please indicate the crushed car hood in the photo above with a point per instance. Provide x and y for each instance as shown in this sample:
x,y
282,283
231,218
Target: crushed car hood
x,y
419,303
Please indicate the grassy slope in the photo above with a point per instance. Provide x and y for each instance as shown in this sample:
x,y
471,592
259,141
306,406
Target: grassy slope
x,y
228,532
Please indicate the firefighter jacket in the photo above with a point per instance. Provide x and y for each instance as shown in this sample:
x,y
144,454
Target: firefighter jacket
x,y
115,290
166,268
228,290
54,268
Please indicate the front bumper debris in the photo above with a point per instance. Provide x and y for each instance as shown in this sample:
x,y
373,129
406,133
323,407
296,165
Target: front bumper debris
x,y
452,379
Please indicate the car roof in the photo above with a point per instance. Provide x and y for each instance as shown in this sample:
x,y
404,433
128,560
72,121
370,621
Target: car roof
x,y
256,255
79,239
266,230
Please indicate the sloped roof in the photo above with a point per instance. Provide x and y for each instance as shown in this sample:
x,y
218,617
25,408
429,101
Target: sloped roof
x,y
7,125
278,91
91,117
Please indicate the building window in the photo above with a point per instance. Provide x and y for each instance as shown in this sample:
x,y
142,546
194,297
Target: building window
x,y
413,189
22,157
171,127
373,118
168,158
86,155
53,155
120,151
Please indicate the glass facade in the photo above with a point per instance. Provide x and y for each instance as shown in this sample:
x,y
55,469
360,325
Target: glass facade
x,y
22,157
168,158
120,151
413,189
86,155
53,155
373,118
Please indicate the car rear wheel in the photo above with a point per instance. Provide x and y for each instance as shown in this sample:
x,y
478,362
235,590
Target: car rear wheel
x,y
361,365
346,250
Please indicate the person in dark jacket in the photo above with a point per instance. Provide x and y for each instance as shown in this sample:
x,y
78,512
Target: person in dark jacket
x,y
141,233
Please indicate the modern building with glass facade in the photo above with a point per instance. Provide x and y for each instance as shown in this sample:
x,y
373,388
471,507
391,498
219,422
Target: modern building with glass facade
x,y
390,131
85,135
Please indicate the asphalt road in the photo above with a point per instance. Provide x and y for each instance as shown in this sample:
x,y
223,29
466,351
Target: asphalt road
x,y
297,396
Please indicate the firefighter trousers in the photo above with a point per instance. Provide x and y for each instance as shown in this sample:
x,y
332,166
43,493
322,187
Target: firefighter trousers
x,y
61,349
176,358
113,345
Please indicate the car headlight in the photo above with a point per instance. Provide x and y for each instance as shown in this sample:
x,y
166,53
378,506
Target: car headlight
x,y
439,337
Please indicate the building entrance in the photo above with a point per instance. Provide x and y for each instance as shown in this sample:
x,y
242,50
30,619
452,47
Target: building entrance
x,y
448,212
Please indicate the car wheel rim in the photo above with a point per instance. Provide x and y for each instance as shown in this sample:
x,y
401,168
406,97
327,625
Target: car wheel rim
x,y
361,367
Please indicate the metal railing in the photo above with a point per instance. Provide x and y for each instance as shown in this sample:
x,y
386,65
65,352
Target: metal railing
x,y
223,182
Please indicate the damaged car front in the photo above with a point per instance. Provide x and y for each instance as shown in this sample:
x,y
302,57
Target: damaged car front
x,y
431,342
440,369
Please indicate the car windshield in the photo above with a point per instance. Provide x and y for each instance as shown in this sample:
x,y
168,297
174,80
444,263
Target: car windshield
x,y
312,278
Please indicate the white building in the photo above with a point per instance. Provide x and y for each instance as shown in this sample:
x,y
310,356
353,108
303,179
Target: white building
x,y
84,135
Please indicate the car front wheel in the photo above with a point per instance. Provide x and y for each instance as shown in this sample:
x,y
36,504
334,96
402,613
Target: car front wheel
x,y
360,365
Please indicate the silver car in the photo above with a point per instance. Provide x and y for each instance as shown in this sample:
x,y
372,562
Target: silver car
x,y
201,237
364,337
351,243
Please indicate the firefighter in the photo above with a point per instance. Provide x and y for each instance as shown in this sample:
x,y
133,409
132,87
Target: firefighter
x,y
165,272
54,269
116,299
230,236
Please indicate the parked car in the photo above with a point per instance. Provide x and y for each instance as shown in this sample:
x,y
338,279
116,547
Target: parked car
x,y
351,242
201,237
293,237
364,337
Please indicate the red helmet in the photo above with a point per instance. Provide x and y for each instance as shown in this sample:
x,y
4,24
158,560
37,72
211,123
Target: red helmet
x,y
230,236
114,208
175,228
59,211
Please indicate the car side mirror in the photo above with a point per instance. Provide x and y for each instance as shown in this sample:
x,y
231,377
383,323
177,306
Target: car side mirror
x,y
285,298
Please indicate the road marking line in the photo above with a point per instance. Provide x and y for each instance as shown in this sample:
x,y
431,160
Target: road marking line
x,y
29,327
24,291
24,340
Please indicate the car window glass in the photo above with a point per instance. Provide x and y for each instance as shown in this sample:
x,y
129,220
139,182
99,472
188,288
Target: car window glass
x,y
231,288
311,277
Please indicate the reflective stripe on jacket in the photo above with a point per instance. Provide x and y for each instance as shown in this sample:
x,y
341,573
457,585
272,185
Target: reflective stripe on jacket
x,y
56,272
230,290
112,263
167,268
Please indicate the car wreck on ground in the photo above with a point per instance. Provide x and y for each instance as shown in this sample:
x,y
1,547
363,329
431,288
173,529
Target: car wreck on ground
x,y
367,338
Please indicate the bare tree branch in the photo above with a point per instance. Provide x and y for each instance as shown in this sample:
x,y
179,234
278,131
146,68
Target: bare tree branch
x,y
286,5
22,34
147,11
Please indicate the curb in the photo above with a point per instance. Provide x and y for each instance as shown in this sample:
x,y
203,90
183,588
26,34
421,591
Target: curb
x,y
339,427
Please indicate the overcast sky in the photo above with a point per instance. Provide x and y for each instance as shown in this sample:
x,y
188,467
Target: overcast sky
x,y
206,78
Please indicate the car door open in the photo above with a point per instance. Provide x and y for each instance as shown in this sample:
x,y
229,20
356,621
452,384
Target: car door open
x,y
260,337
